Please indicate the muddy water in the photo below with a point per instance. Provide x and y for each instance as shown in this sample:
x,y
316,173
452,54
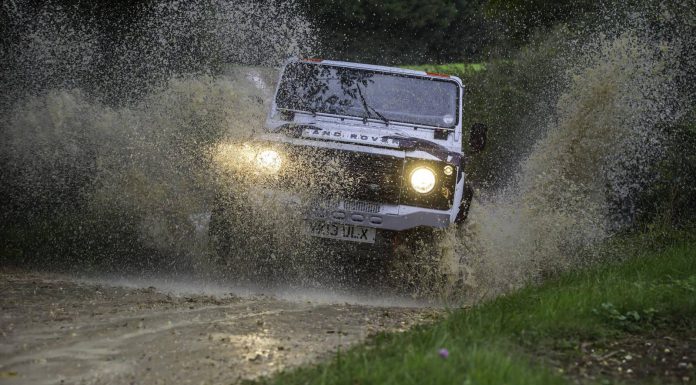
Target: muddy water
x,y
109,162
106,170
107,148
579,184
56,330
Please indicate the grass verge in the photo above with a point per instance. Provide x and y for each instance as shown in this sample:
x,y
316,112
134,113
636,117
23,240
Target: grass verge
x,y
529,336
456,69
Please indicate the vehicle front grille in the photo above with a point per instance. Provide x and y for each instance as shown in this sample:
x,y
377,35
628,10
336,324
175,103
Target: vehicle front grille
x,y
365,207
357,177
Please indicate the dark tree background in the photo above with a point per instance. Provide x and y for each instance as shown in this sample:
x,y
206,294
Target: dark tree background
x,y
378,31
400,31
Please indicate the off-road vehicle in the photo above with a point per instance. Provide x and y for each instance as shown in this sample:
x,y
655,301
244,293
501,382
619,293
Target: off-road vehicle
x,y
373,152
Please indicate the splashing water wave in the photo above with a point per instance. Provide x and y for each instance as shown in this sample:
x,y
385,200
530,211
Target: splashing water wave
x,y
107,141
136,146
577,186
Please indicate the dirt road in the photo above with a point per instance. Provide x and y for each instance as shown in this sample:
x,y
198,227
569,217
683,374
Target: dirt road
x,y
56,330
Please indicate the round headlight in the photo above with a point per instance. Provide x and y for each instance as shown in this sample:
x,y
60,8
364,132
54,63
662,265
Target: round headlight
x,y
269,161
423,180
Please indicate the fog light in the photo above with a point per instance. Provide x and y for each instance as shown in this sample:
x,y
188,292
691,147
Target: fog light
x,y
423,180
448,170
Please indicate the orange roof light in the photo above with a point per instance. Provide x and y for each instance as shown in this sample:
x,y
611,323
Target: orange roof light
x,y
437,74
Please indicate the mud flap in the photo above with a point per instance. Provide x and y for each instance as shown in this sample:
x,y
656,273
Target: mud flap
x,y
464,207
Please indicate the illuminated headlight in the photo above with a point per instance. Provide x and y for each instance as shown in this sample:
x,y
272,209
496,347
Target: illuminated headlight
x,y
269,161
423,180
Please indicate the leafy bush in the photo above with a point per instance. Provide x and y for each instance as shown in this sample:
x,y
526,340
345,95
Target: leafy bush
x,y
629,320
672,199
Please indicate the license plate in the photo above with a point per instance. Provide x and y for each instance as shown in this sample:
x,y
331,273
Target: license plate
x,y
341,231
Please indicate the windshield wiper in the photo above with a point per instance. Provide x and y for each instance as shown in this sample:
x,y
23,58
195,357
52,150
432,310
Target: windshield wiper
x,y
368,107
385,120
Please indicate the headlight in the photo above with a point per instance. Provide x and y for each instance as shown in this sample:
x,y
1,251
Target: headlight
x,y
423,180
269,161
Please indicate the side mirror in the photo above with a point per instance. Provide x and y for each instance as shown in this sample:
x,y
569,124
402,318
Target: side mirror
x,y
477,137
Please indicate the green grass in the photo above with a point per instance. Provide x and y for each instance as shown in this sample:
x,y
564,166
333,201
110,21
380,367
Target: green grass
x,y
457,69
501,341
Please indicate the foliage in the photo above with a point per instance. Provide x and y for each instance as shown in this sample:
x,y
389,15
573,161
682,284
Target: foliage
x,y
485,343
671,200
458,69
630,320
509,96
405,31
513,97
522,18
396,31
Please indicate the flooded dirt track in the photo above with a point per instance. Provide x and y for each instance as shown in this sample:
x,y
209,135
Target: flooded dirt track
x,y
55,330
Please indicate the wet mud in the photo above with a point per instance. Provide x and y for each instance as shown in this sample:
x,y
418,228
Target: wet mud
x,y
56,329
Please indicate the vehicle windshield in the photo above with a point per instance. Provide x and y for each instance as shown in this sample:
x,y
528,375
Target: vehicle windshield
x,y
389,97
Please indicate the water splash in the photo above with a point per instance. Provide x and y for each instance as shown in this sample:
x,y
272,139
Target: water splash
x,y
119,145
578,185
107,133
55,47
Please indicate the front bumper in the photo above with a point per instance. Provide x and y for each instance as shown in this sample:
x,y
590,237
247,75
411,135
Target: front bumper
x,y
379,216
360,213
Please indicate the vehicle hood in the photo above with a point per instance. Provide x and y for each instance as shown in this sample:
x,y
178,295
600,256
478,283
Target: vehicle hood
x,y
368,136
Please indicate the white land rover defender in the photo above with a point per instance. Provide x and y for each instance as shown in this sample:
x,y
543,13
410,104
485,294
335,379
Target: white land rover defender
x,y
379,147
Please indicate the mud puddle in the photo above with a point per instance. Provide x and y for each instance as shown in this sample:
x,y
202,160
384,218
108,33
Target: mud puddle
x,y
57,330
